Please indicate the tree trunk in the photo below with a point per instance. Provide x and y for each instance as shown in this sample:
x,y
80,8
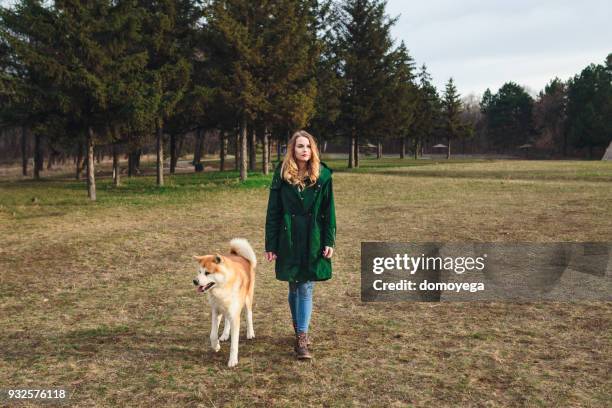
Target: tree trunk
x,y
403,147
134,162
416,149
197,152
130,164
351,163
265,159
269,150
179,148
202,152
249,146
253,149
222,149
137,155
52,158
278,149
160,152
91,179
379,150
199,149
448,152
79,161
356,150
172,153
116,169
243,150
237,152
37,156
24,151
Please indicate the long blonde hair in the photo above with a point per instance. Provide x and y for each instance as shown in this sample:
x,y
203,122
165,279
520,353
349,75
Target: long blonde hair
x,y
289,168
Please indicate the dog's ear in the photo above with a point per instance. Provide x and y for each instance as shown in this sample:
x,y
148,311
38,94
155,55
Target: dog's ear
x,y
198,258
218,259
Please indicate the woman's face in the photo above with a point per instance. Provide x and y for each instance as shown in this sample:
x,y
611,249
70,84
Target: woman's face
x,y
302,149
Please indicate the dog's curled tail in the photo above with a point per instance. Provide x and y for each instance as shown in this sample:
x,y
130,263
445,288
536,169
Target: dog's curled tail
x,y
241,247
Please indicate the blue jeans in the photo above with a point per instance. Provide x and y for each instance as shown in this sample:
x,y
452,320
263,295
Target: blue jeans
x,y
300,303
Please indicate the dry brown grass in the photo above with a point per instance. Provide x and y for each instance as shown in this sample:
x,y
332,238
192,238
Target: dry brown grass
x,y
98,298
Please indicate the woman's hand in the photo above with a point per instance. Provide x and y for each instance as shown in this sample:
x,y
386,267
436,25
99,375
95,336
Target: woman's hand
x,y
270,256
328,252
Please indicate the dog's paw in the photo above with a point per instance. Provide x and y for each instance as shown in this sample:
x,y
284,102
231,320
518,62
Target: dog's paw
x,y
250,335
224,337
232,362
216,347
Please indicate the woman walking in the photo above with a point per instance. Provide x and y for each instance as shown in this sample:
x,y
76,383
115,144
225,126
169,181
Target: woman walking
x,y
301,229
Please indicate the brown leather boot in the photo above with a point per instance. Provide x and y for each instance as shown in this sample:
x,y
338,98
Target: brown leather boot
x,y
295,331
301,346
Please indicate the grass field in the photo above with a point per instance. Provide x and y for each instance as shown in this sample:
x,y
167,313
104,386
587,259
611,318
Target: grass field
x,y
97,297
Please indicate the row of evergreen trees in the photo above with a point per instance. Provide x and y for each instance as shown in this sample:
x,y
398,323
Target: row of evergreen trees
x,y
121,73
576,113
118,71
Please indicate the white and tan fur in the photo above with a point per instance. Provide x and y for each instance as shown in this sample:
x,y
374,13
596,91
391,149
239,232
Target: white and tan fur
x,y
229,281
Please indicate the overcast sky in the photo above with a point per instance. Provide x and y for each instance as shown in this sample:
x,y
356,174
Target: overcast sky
x,y
486,43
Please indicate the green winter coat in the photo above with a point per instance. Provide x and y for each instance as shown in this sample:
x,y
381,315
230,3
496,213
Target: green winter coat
x,y
299,225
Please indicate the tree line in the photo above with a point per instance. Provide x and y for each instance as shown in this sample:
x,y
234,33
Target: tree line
x,y
576,113
82,76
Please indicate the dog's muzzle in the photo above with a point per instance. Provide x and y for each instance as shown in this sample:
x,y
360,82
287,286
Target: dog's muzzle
x,y
201,288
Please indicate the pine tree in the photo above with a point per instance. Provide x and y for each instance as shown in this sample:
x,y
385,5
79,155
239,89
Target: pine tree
x,y
204,104
365,42
192,106
427,112
261,60
451,115
13,109
106,39
28,93
549,114
401,97
325,122
232,52
487,98
92,84
167,28
509,116
291,41
589,107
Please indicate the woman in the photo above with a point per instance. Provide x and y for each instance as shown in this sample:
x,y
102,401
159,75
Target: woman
x,y
301,229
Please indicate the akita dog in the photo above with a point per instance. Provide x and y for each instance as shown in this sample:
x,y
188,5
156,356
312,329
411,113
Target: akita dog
x,y
229,282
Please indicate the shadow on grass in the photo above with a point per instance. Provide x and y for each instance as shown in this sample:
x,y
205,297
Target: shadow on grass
x,y
123,342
